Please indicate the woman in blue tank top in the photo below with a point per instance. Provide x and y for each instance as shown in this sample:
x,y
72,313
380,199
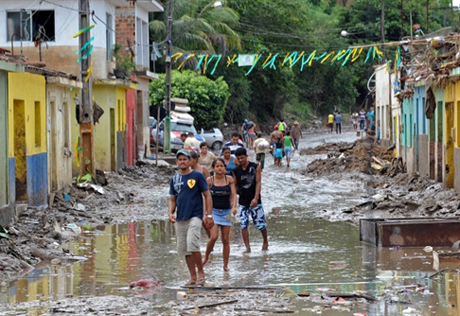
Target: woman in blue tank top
x,y
223,193
230,161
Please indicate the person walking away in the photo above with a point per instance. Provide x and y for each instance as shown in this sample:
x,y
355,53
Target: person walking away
x,y
287,146
296,134
191,142
248,181
355,118
273,138
330,121
230,160
362,118
370,119
206,157
338,123
278,151
234,143
244,130
251,134
186,191
223,194
282,127
260,146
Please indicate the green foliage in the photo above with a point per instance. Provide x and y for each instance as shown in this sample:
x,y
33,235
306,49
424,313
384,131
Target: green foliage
x,y
123,62
207,98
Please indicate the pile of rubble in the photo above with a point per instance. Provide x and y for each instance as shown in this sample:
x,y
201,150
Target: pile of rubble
x,y
363,155
40,233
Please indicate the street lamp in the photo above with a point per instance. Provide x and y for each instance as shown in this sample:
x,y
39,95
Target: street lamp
x,y
169,43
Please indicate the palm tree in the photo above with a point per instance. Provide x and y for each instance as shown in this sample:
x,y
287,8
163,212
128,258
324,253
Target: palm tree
x,y
198,28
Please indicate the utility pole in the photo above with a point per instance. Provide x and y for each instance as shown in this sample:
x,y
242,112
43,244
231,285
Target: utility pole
x,y
402,18
167,131
410,9
382,27
86,97
427,16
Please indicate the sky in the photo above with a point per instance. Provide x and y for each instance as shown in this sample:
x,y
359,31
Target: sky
x,y
456,3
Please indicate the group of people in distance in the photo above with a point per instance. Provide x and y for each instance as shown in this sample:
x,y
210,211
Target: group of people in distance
x,y
207,191
284,141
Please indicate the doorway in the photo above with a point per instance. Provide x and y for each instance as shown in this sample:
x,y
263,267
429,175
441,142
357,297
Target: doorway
x,y
450,170
112,140
20,150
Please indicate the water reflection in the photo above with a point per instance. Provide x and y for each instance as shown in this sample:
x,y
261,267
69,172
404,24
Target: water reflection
x,y
299,256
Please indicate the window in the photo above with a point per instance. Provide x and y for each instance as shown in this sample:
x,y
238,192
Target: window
x,y
109,37
31,25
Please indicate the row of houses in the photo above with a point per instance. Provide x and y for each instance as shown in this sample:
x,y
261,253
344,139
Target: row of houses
x,y
40,90
418,108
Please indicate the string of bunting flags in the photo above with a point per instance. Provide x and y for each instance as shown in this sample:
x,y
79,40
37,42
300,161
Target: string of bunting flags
x,y
88,48
210,63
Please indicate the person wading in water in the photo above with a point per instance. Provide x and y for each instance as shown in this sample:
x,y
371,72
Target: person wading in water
x,y
248,177
223,193
186,191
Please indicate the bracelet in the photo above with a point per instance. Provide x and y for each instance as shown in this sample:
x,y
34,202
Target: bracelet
x,y
209,216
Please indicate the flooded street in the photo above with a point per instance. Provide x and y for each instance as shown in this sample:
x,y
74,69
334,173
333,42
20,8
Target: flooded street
x,y
307,255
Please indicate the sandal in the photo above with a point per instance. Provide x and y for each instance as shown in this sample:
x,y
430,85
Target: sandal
x,y
189,283
200,282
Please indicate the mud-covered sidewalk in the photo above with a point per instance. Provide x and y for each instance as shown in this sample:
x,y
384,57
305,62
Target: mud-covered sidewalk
x,y
38,235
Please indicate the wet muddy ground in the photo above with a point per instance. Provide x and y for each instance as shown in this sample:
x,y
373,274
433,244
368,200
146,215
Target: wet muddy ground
x,y
308,255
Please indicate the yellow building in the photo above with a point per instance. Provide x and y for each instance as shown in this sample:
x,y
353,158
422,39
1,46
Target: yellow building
x,y
27,145
110,131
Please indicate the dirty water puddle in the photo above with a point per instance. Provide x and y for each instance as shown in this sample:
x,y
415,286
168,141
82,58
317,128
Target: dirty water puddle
x,y
306,256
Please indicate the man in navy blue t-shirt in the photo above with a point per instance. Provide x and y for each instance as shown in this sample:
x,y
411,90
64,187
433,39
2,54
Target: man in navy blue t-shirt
x,y
186,191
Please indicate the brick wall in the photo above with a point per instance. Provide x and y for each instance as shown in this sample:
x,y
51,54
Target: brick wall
x,y
125,27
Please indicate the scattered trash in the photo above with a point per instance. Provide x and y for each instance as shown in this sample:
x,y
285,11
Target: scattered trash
x,y
428,249
66,197
337,265
181,296
99,189
411,311
74,228
80,207
56,261
4,233
395,248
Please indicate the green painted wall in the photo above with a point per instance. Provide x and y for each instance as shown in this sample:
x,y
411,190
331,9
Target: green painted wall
x,y
3,139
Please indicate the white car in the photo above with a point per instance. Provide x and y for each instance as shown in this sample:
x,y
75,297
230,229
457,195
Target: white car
x,y
213,138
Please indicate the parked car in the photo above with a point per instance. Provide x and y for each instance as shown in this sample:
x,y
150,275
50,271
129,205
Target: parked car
x,y
177,128
213,137
152,125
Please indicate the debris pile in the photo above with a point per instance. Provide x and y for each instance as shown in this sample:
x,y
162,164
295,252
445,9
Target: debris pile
x,y
362,155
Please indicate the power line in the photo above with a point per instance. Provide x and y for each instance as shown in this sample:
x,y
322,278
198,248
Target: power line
x,y
62,6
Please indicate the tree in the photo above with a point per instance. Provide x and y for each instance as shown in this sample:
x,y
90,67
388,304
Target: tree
x,y
207,98
198,27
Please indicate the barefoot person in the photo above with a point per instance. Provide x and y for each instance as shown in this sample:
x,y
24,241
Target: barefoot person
x,y
186,192
223,193
248,177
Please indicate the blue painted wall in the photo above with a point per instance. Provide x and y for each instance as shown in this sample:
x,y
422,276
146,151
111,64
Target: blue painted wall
x,y
37,179
12,180
419,109
407,117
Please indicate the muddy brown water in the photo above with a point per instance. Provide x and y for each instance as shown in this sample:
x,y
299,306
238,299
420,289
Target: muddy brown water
x,y
299,258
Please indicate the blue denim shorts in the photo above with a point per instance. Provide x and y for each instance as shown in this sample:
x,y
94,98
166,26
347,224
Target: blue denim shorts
x,y
257,214
222,217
